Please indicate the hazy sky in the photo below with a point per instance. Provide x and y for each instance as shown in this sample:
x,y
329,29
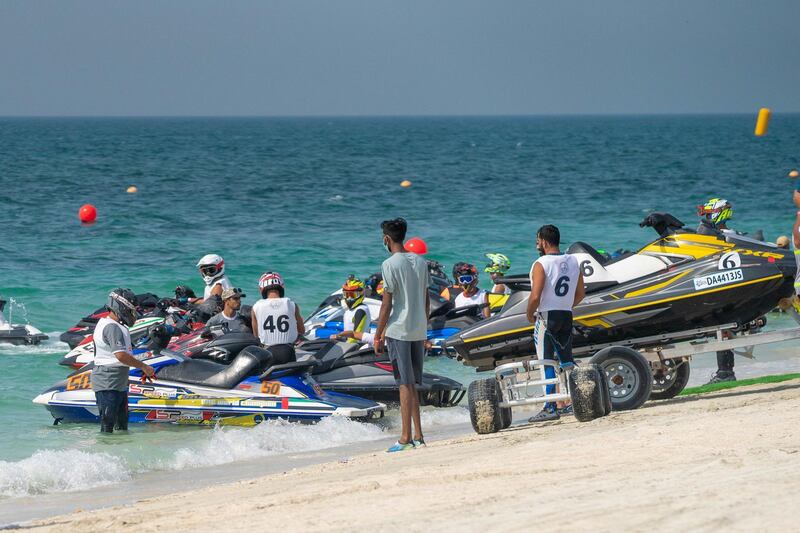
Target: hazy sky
x,y
375,57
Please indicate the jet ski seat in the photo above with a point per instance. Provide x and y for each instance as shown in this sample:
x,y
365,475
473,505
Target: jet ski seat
x,y
582,247
333,352
250,362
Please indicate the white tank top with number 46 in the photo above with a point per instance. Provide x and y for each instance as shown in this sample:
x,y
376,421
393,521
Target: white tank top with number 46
x,y
561,274
277,321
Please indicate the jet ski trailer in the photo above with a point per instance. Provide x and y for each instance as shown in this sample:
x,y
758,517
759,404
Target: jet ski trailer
x,y
619,376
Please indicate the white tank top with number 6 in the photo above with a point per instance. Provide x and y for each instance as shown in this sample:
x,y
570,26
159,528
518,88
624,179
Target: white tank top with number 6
x,y
277,322
561,272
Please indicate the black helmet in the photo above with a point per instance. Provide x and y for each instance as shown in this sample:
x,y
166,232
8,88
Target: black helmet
x,y
120,302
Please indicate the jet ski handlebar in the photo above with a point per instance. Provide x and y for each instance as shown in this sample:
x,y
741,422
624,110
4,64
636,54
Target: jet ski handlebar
x,y
295,365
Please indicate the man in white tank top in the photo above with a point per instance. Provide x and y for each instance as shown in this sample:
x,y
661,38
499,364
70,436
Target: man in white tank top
x,y
556,287
275,319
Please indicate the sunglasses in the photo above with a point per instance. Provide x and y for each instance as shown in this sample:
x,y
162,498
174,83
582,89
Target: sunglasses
x,y
466,279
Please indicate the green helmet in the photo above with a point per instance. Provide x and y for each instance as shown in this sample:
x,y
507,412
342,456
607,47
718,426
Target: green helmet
x,y
498,264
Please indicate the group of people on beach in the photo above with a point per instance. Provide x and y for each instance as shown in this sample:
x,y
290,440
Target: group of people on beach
x,y
557,286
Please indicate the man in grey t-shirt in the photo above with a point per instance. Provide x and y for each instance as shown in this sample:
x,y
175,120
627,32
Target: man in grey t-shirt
x,y
232,301
403,325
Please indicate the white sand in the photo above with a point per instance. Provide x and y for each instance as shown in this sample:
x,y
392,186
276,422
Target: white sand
x,y
728,461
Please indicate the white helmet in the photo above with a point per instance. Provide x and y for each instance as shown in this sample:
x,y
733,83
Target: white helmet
x,y
212,267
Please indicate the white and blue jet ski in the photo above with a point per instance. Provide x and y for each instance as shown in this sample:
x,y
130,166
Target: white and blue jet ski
x,y
249,390
18,334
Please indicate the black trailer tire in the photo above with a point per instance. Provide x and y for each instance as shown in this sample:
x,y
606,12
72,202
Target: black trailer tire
x,y
682,371
607,407
629,377
506,416
586,392
483,396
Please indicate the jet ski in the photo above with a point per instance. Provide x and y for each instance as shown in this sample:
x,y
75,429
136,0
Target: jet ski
x,y
249,390
356,369
76,335
18,333
349,368
682,281
165,321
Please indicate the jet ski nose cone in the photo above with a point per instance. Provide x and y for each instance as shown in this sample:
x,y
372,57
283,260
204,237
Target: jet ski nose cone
x,y
44,398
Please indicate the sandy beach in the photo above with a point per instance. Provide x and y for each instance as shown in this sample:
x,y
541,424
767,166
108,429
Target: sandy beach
x,y
727,460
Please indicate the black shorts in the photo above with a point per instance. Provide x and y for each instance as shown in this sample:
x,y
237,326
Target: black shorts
x,y
407,359
553,335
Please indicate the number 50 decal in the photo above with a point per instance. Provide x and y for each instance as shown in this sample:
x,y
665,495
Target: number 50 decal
x,y
729,261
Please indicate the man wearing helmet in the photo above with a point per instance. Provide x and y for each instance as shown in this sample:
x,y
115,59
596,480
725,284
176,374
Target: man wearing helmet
x,y
212,270
356,316
275,319
112,359
467,277
714,216
497,267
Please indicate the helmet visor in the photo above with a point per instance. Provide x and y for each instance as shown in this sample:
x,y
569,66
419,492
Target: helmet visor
x,y
466,279
209,270
352,294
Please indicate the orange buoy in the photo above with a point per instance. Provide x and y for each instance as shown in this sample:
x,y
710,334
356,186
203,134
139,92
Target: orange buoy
x,y
132,189
87,213
417,246
794,174
405,183
762,122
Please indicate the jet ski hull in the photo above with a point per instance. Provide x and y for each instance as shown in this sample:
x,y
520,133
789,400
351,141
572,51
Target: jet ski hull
x,y
19,335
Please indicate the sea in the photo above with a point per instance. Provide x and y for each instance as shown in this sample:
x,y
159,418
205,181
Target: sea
x,y
305,197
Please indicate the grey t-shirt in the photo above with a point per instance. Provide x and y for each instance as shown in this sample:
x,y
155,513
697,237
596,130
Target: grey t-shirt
x,y
235,324
406,277
109,373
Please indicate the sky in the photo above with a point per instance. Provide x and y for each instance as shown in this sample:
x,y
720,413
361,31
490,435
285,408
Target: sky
x,y
403,57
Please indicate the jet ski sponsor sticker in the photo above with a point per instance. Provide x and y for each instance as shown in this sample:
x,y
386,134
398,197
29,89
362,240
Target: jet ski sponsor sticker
x,y
720,278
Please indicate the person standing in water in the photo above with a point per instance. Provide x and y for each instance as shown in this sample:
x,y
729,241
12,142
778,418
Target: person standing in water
x,y
556,288
112,361
403,326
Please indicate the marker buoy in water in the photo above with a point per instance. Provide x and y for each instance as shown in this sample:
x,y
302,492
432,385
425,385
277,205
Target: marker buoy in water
x,y
762,122
417,246
132,189
405,183
87,213
794,174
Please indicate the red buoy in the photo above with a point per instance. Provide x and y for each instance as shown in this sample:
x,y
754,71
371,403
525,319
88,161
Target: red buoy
x,y
87,213
417,246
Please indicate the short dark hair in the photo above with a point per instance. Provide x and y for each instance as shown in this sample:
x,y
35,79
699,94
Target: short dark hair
x,y
395,229
549,234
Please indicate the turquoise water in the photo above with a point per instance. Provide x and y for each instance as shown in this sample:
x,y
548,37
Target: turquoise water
x,y
305,197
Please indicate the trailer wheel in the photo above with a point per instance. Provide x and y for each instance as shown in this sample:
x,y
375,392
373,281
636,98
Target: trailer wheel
x,y
630,380
671,381
483,397
586,392
607,407
506,416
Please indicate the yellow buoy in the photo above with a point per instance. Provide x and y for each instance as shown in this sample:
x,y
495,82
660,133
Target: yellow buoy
x,y
132,189
405,183
762,122
794,174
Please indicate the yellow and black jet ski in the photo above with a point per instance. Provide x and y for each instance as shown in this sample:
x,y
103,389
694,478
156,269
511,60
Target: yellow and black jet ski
x,y
684,280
